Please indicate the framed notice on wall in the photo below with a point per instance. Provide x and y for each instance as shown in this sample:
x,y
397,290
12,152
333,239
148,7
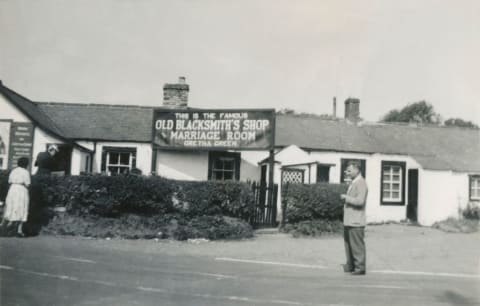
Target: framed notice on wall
x,y
21,143
224,129
5,126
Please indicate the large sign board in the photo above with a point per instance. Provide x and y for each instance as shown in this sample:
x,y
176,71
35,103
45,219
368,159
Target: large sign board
x,y
225,129
21,143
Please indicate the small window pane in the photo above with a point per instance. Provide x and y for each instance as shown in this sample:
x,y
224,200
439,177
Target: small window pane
x,y
395,195
228,164
125,158
396,170
386,186
396,177
386,194
396,186
218,164
113,158
387,177
228,175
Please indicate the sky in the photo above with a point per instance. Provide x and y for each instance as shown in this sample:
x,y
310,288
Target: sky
x,y
247,54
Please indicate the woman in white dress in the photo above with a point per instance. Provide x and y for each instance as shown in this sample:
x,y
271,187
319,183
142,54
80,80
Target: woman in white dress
x,y
17,201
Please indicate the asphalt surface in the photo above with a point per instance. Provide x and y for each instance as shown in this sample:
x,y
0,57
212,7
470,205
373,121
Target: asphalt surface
x,y
72,271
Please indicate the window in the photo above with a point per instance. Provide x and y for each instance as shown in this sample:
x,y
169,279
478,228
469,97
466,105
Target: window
x,y
118,160
393,183
224,166
292,176
475,187
344,164
323,173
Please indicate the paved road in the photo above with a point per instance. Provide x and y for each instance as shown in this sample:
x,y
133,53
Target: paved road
x,y
69,271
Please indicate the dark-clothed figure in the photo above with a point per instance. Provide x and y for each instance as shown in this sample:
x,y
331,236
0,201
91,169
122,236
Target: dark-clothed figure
x,y
44,160
354,221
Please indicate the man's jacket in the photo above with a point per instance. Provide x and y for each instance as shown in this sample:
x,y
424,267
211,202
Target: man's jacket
x,y
355,203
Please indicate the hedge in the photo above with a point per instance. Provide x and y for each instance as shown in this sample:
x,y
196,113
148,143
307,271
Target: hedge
x,y
302,202
97,196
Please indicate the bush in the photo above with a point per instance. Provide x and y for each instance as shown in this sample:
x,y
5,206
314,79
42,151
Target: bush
x,y
98,206
314,228
313,202
472,211
113,196
143,227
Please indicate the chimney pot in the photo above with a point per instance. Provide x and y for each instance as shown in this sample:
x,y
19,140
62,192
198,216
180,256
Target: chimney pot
x,y
334,107
181,80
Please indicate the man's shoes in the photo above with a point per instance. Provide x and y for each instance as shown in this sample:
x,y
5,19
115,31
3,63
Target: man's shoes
x,y
358,272
347,269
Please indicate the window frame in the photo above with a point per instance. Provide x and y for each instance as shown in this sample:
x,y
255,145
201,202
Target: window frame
x,y
403,168
471,178
214,155
106,151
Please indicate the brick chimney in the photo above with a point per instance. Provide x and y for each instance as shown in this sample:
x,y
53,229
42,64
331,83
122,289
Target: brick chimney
x,y
352,109
176,95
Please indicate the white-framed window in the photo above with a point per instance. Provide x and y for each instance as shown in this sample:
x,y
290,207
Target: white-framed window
x,y
393,183
474,187
224,166
118,160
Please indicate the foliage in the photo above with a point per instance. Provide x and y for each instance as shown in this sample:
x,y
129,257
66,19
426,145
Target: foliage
x,y
97,204
112,196
131,226
314,228
418,112
472,211
302,202
460,123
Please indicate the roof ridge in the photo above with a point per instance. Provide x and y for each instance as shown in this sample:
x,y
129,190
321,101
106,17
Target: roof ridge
x,y
94,105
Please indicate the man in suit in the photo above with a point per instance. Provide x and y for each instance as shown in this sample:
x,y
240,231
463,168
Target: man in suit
x,y
354,220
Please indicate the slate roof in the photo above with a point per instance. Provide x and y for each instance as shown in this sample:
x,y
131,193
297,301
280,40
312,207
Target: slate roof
x,y
435,148
102,122
31,110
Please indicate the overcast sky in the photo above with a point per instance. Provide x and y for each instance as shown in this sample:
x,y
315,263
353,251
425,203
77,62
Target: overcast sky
x,y
244,54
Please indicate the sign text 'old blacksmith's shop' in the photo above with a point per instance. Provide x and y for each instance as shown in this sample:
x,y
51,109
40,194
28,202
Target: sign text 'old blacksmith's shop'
x,y
214,129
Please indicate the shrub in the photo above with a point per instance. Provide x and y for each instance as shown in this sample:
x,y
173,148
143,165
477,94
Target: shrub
x,y
314,228
144,227
312,202
98,206
472,211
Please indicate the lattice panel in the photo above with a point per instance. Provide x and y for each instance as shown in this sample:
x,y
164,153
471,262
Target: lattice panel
x,y
292,177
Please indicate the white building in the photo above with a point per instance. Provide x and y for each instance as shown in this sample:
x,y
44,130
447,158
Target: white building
x,y
421,172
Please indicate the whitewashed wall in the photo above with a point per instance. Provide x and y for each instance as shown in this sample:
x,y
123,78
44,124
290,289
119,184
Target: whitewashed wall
x,y
441,194
183,165
10,111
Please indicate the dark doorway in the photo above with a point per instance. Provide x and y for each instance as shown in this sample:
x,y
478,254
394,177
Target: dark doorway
x,y
62,161
412,195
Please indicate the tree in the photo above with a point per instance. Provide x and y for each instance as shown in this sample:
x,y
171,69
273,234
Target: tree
x,y
418,112
460,122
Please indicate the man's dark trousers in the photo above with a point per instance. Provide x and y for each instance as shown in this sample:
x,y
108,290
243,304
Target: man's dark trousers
x,y
355,248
